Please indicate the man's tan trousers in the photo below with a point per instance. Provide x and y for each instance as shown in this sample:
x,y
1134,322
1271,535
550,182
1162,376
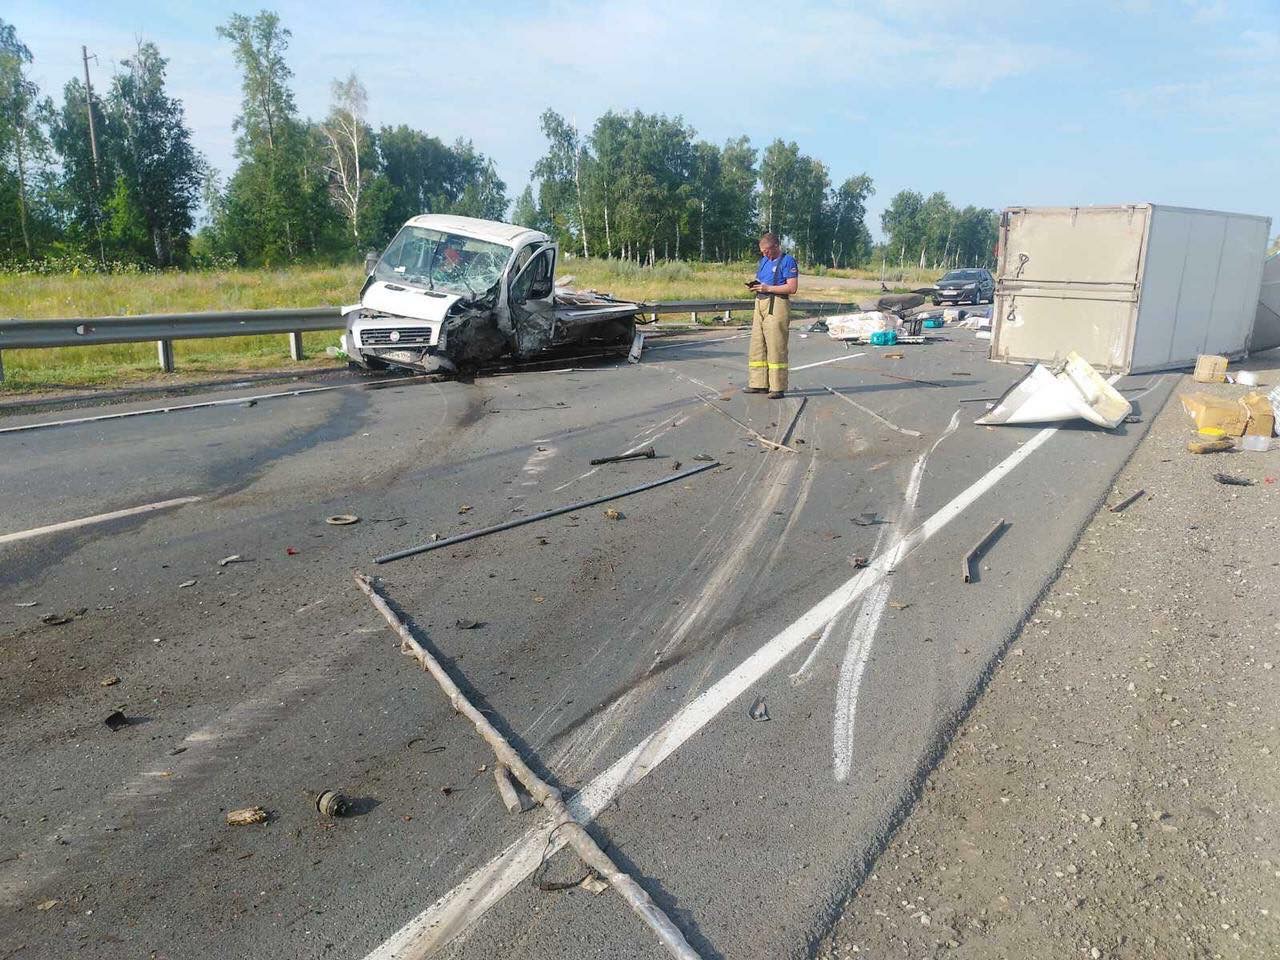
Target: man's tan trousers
x,y
767,361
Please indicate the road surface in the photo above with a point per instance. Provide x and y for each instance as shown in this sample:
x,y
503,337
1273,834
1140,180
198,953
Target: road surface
x,y
622,655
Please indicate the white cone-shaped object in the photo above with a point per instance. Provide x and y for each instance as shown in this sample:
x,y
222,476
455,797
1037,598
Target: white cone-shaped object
x,y
1076,391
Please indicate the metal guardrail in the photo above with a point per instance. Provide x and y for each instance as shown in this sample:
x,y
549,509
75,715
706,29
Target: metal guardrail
x,y
164,328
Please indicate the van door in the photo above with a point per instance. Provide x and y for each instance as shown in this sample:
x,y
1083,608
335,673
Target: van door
x,y
529,297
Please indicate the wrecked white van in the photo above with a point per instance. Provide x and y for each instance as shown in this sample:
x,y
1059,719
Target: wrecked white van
x,y
455,293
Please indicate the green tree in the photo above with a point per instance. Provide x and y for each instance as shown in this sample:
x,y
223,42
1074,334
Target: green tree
x,y
846,216
527,213
152,152
277,203
559,173
24,150
902,224
350,152
84,184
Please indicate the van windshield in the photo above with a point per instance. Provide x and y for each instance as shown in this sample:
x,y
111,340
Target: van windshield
x,y
442,261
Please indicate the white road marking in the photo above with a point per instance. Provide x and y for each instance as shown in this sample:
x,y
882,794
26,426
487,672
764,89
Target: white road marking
x,y
536,464
100,518
867,623
227,402
1138,396
847,356
871,413
465,904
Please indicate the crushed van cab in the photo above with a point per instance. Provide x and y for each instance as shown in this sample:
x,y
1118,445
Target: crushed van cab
x,y
454,293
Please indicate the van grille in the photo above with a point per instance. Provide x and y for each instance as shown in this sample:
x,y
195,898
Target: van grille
x,y
409,337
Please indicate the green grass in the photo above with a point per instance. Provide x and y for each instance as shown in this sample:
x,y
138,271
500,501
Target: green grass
x,y
88,295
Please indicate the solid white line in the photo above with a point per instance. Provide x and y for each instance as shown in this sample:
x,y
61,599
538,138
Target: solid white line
x,y
465,904
847,356
867,624
871,413
100,518
230,401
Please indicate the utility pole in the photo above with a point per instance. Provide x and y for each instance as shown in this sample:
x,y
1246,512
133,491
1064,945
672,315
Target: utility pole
x,y
88,102
93,149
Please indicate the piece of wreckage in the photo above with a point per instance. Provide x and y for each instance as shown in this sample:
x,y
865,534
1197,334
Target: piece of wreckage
x,y
453,294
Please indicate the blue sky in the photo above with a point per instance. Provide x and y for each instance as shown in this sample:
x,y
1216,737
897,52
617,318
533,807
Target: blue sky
x,y
996,104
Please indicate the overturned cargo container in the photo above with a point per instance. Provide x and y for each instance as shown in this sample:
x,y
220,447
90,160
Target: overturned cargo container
x,y
1129,288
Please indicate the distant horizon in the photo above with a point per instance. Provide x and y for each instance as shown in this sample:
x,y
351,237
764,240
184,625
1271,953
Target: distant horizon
x,y
1156,103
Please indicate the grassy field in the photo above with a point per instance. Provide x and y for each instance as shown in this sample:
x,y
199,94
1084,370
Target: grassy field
x,y
88,295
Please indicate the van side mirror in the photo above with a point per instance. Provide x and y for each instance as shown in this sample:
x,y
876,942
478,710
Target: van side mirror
x,y
370,261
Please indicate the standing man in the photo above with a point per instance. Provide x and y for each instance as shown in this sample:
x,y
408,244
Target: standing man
x,y
776,280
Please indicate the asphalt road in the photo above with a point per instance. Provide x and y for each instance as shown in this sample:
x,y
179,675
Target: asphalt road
x,y
622,655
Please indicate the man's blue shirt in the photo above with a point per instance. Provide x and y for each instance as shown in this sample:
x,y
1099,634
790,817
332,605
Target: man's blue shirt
x,y
777,271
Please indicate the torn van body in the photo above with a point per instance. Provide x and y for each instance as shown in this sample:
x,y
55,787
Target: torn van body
x,y
455,293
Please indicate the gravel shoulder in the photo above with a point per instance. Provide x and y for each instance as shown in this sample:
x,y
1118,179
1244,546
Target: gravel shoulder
x,y
1113,793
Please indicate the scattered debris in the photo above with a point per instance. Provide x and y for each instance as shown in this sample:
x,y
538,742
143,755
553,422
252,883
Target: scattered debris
x,y
868,519
858,562
511,797
28,603
58,619
468,624
967,562
647,454
894,356
859,326
761,438
705,457
330,803
1230,481
187,583
116,720
291,551
234,558
612,514
818,326
108,681
897,605
1132,419
47,904
759,710
342,519
1127,501
637,347
246,816
1220,445
1072,390
593,884
520,521
871,413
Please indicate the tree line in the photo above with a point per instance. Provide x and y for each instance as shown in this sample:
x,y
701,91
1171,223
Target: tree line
x,y
112,176
642,187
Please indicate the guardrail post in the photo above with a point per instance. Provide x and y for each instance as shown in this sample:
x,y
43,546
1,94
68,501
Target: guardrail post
x,y
164,348
728,317
693,316
295,345
1,366
655,315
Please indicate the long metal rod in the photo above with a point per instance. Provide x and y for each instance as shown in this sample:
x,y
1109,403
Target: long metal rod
x,y
772,444
1127,501
574,832
544,515
977,548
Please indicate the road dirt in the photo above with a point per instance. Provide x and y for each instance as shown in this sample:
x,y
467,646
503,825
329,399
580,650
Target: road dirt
x,y
1114,791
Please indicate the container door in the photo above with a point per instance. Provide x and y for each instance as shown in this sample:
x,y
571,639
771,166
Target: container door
x,y
1068,281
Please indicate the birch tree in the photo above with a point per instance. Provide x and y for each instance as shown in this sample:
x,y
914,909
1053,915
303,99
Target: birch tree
x,y
348,138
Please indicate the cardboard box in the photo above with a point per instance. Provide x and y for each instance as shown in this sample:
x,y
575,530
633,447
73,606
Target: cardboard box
x,y
1230,417
1262,419
1216,416
1210,368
